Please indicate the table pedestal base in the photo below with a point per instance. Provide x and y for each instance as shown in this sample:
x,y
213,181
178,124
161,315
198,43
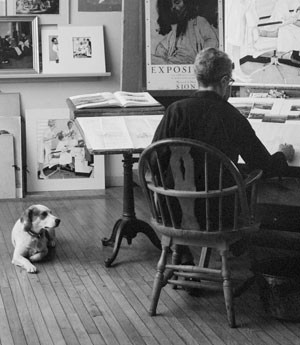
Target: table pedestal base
x,y
128,226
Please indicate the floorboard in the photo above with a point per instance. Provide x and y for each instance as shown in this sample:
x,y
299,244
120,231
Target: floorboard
x,y
75,300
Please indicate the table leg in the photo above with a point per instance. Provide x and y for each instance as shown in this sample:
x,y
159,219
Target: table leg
x,y
128,226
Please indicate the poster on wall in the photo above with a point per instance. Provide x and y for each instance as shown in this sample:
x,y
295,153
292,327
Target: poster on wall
x,y
56,155
175,32
99,5
263,37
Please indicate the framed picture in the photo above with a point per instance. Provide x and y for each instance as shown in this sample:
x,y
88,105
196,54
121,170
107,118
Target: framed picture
x,y
96,5
19,45
48,11
56,155
2,7
173,40
50,51
263,41
81,49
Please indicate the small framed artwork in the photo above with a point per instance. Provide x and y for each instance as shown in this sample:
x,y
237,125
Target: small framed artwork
x,y
102,5
57,158
48,11
50,51
19,45
2,7
81,49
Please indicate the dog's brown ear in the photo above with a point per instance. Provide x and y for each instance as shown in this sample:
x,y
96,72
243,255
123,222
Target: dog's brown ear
x,y
26,219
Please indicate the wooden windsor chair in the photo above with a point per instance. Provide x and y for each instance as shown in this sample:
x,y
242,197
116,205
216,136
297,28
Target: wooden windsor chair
x,y
194,191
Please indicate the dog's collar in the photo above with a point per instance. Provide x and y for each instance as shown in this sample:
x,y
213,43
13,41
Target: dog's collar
x,y
34,234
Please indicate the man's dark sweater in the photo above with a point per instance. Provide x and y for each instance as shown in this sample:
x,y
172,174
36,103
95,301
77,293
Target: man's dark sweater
x,y
205,116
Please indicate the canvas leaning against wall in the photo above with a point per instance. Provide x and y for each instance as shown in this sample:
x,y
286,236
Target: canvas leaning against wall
x,y
263,38
57,158
172,43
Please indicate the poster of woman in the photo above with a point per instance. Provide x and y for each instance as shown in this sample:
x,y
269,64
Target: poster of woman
x,y
175,31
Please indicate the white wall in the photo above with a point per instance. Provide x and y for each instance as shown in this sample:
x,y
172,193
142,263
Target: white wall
x,y
52,93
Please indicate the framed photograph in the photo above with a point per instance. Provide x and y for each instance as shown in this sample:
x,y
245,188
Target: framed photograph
x,y
81,49
2,7
48,11
102,5
173,40
19,45
57,158
50,51
263,41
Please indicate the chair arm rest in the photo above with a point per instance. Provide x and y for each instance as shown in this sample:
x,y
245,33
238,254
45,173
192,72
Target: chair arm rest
x,y
253,177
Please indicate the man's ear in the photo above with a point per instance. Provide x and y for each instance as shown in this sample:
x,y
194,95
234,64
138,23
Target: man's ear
x,y
26,219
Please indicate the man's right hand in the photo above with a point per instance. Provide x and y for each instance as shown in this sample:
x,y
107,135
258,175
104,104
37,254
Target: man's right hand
x,y
288,150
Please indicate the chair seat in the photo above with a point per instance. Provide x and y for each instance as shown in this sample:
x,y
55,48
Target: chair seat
x,y
213,237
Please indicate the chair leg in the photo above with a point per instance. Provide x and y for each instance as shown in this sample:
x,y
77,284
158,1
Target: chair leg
x,y
158,280
227,289
176,258
175,255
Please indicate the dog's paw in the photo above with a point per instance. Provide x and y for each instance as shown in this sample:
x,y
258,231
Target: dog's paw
x,y
30,268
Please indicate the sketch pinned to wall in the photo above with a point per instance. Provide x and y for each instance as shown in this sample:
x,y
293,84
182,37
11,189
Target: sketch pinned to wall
x,y
56,155
263,38
99,5
175,32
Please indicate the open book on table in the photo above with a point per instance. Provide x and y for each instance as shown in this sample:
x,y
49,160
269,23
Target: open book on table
x,y
116,99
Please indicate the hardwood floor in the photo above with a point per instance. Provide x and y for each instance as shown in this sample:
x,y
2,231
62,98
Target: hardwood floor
x,y
74,299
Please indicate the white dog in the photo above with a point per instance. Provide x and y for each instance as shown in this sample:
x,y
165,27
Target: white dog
x,y
32,234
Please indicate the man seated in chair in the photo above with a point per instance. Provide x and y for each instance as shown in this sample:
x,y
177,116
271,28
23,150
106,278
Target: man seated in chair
x,y
207,116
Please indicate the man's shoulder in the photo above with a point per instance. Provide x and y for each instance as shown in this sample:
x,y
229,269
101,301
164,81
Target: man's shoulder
x,y
179,103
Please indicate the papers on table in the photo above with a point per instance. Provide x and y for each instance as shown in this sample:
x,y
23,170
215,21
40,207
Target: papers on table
x,y
118,132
